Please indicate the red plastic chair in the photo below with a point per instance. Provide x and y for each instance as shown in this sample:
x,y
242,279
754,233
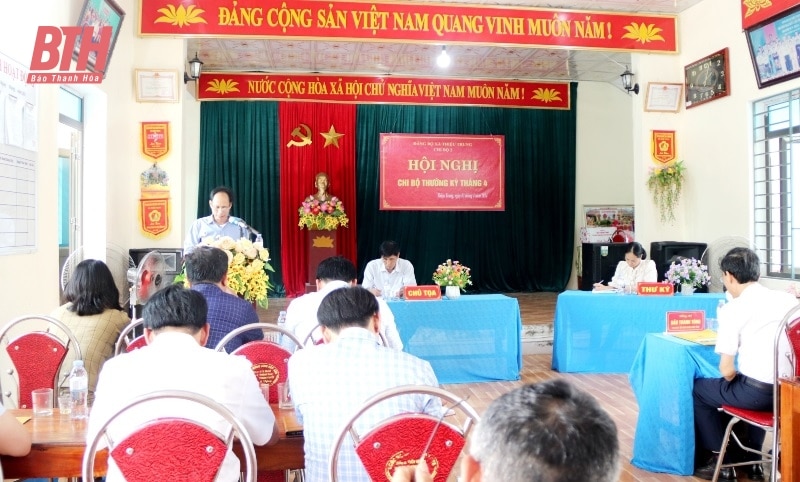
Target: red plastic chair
x,y
270,366
312,339
173,448
127,341
270,360
36,357
401,440
789,328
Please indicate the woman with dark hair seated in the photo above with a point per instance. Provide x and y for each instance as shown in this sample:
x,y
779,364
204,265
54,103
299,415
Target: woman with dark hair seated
x,y
94,316
634,269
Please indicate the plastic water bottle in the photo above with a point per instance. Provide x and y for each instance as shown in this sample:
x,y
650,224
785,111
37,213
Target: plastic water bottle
x,y
712,323
386,294
79,390
282,319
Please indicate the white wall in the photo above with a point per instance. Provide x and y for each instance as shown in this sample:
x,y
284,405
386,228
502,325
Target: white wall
x,y
29,282
713,139
604,156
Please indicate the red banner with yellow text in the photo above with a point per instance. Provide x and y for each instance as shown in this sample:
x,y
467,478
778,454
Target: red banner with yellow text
x,y
756,11
410,22
440,172
384,90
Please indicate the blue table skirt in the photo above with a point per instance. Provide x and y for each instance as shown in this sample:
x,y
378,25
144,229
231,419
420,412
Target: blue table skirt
x,y
600,333
474,338
662,378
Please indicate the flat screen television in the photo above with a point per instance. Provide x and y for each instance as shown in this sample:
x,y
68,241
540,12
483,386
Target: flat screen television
x,y
665,253
774,46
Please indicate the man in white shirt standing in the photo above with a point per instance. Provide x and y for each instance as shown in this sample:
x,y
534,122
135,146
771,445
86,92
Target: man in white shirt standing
x,y
175,359
333,273
389,272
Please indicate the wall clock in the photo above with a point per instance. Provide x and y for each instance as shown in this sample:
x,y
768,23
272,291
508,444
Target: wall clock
x,y
707,79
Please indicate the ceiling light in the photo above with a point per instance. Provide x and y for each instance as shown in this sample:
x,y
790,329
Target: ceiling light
x,y
195,68
627,80
443,60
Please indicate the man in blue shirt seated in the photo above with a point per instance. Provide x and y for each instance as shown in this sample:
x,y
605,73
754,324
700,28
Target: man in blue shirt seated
x,y
220,223
207,273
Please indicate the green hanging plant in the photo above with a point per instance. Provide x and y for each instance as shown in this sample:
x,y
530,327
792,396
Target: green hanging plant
x,y
665,185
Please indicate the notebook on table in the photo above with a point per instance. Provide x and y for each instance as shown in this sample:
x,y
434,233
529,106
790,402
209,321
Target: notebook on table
x,y
704,337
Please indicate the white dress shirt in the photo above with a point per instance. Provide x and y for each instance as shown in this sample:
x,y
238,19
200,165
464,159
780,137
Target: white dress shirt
x,y
627,276
376,276
175,361
301,316
747,327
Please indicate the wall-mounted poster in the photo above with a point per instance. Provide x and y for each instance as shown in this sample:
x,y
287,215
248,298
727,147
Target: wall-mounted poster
x,y
606,224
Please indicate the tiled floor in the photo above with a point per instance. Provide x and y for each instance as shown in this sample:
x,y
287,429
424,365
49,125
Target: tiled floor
x,y
612,391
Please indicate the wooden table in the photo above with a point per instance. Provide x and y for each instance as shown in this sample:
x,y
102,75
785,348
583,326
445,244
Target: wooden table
x,y
59,443
790,427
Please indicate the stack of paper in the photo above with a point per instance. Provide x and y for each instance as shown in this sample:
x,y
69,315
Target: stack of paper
x,y
705,337
612,290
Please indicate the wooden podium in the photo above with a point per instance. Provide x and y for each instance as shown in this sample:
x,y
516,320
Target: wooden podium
x,y
321,244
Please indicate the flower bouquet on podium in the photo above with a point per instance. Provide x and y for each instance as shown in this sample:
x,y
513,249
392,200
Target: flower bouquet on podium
x,y
248,264
325,215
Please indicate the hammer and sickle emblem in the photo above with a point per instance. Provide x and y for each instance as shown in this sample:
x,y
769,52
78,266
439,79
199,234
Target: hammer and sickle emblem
x,y
305,139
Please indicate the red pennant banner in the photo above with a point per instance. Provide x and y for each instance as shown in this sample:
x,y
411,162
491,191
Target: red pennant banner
x,y
154,214
155,139
663,146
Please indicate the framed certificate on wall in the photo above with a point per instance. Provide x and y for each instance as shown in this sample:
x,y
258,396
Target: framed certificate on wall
x,y
157,85
663,97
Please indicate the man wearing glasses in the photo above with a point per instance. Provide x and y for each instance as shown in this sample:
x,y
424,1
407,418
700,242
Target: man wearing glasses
x,y
220,223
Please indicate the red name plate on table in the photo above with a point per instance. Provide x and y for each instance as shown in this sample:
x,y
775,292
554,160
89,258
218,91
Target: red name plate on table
x,y
678,321
655,289
419,293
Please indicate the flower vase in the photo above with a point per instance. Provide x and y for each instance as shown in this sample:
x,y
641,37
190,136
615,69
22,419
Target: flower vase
x,y
452,292
687,289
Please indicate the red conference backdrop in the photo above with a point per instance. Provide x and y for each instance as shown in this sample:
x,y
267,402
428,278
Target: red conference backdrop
x,y
434,172
314,138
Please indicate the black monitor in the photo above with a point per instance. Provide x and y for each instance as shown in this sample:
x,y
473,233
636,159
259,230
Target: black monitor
x,y
665,253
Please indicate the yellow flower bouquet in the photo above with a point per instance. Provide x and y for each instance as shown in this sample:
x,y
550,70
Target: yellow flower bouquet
x,y
452,273
248,264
